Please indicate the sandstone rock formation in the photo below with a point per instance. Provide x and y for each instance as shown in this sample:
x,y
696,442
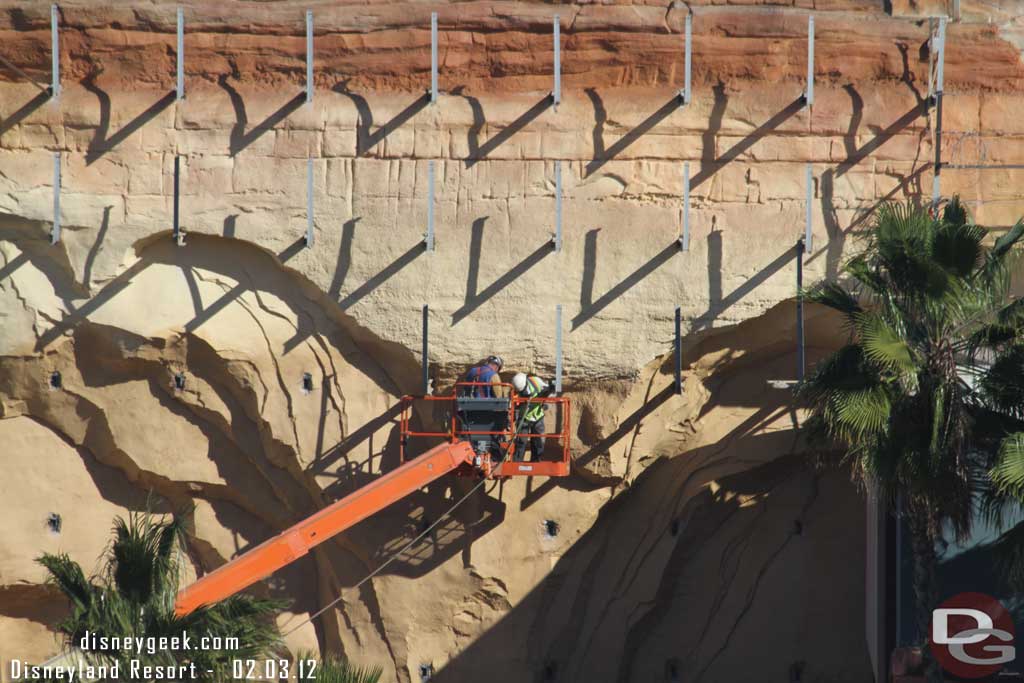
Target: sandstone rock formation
x,y
692,542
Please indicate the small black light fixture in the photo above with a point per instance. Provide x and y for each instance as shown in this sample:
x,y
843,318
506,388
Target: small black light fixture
x,y
307,383
56,381
551,528
54,522
179,381
426,672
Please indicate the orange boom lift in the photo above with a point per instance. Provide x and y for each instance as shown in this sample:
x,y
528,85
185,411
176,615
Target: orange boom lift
x,y
479,442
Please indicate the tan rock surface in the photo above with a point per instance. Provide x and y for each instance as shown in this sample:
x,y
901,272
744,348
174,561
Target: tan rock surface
x,y
690,538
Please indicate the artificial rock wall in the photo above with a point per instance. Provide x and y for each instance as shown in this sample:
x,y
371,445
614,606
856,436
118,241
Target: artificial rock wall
x,y
688,526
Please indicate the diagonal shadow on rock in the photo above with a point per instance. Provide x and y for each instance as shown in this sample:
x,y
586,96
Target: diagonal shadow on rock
x,y
475,298
479,151
603,155
366,137
709,168
717,304
589,307
103,141
383,276
24,111
242,138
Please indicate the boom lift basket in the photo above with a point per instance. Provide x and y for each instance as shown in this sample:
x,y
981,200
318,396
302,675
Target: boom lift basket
x,y
489,424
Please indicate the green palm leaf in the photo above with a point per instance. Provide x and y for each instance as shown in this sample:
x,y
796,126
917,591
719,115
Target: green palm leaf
x,y
1008,474
882,344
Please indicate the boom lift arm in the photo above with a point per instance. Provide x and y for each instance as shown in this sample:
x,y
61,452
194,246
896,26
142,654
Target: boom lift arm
x,y
295,542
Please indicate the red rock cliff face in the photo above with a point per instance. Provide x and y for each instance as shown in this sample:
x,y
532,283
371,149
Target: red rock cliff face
x,y
676,550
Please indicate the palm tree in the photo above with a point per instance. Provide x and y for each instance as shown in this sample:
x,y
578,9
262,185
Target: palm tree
x,y
333,669
134,596
927,395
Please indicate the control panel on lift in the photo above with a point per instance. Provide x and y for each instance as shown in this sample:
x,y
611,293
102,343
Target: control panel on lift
x,y
492,425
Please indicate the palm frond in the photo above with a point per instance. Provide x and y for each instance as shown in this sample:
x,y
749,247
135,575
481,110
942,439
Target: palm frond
x,y
1008,473
883,345
833,295
68,576
955,213
958,247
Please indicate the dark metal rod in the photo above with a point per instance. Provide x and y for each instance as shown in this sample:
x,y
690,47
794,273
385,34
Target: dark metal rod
x,y
426,357
177,199
679,350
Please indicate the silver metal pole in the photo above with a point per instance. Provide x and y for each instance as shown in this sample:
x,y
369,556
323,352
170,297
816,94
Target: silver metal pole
x,y
940,69
556,241
428,240
809,223
801,249
433,57
309,55
809,94
54,52
689,52
309,202
558,349
181,54
684,241
556,94
55,233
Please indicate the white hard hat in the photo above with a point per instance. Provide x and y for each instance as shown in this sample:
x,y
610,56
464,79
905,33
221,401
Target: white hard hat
x,y
519,381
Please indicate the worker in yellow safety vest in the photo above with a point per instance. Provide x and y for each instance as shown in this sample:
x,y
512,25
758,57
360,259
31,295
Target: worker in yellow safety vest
x,y
530,415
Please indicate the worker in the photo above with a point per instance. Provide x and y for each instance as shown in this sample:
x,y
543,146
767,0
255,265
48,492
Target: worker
x,y
530,415
486,372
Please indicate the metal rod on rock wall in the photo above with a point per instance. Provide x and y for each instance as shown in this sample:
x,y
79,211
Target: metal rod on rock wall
x,y
309,203
556,239
808,239
54,52
426,357
428,239
800,250
809,93
176,233
940,69
180,90
556,93
433,57
686,94
679,350
684,239
309,56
